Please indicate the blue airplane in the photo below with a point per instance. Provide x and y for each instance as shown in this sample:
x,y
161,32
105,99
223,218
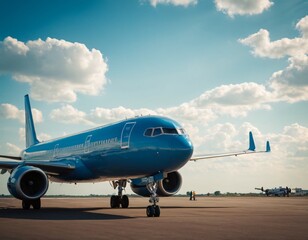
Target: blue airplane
x,y
145,151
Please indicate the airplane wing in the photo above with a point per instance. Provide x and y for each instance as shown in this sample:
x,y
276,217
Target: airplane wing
x,y
10,157
9,164
251,149
53,167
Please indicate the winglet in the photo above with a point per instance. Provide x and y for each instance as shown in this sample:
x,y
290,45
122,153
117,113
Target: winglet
x,y
268,147
252,146
31,138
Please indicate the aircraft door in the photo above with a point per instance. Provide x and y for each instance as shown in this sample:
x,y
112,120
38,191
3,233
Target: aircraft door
x,y
56,151
87,144
126,132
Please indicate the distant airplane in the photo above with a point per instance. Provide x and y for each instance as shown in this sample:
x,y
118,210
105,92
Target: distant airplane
x,y
276,191
300,191
145,151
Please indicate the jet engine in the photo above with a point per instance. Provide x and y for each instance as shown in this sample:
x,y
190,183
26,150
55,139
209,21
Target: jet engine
x,y
166,187
27,183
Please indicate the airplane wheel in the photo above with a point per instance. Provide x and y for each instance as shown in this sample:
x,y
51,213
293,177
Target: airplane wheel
x,y
25,205
150,211
156,211
114,202
124,201
36,204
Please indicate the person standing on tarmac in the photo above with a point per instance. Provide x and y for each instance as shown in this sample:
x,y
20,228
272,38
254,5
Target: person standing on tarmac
x,y
194,195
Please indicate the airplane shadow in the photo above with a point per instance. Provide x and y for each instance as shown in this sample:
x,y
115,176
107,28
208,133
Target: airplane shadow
x,y
77,213
181,207
59,214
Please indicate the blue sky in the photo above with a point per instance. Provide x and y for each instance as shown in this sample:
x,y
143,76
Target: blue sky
x,y
220,68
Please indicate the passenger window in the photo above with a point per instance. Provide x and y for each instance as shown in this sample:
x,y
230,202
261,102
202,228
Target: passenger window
x,y
148,132
157,131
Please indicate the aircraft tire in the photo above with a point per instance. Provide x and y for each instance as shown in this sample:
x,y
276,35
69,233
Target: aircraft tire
x,y
26,205
36,204
150,211
124,201
115,201
156,211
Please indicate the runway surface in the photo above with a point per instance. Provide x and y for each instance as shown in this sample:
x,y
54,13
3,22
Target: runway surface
x,y
205,218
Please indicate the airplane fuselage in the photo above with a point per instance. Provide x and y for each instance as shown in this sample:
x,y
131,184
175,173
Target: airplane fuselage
x,y
142,146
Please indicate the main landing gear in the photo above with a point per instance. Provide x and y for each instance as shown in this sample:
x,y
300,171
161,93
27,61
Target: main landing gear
x,y
153,210
36,204
119,200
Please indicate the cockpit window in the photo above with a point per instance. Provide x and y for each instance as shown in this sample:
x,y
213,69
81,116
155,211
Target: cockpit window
x,y
148,132
152,132
170,131
157,131
181,131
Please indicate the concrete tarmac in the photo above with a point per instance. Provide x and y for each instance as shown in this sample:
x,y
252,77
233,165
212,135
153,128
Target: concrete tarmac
x,y
205,218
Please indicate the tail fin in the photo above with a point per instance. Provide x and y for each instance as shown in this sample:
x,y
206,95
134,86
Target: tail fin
x,y
30,130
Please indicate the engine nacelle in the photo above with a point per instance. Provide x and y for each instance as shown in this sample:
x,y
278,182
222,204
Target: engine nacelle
x,y
166,187
27,183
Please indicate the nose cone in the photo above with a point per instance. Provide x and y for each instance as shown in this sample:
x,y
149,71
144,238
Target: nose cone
x,y
183,147
187,147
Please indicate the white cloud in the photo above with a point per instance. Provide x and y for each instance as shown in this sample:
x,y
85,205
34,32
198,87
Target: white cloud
x,y
69,114
242,7
13,149
56,70
188,112
263,47
10,111
289,148
43,137
22,134
220,138
40,136
114,114
291,83
184,3
234,99
302,26
298,133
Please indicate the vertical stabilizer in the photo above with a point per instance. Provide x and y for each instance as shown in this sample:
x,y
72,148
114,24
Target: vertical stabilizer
x,y
30,130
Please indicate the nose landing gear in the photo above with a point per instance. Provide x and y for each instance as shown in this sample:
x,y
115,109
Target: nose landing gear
x,y
153,210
